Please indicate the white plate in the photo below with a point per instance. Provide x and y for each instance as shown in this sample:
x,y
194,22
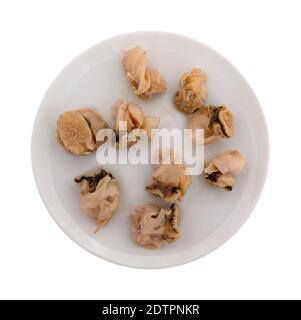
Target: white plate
x,y
210,216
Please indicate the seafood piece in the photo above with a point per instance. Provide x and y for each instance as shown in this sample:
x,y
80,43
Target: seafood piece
x,y
153,225
128,117
221,170
145,81
192,93
77,130
169,181
217,122
128,113
99,195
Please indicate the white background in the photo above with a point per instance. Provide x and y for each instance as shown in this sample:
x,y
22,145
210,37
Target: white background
x,y
262,38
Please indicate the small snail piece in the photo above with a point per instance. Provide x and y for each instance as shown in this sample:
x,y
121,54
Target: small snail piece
x,y
169,181
99,195
145,81
192,93
77,130
221,170
153,225
217,122
131,114
221,121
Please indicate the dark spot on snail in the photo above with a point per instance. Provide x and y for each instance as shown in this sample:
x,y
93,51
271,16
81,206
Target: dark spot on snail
x,y
213,176
215,119
93,180
215,114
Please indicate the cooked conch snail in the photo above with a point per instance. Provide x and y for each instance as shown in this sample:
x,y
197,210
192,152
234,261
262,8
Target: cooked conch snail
x,y
217,122
169,181
145,81
153,225
192,93
99,195
221,170
130,114
77,130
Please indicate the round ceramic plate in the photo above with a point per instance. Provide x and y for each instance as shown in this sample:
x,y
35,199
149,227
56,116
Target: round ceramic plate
x,y
210,216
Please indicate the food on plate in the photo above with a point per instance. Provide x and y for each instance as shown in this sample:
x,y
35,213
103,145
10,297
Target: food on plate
x,y
192,93
95,121
77,130
216,122
150,123
169,181
99,195
153,225
145,81
221,170
130,114
221,121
